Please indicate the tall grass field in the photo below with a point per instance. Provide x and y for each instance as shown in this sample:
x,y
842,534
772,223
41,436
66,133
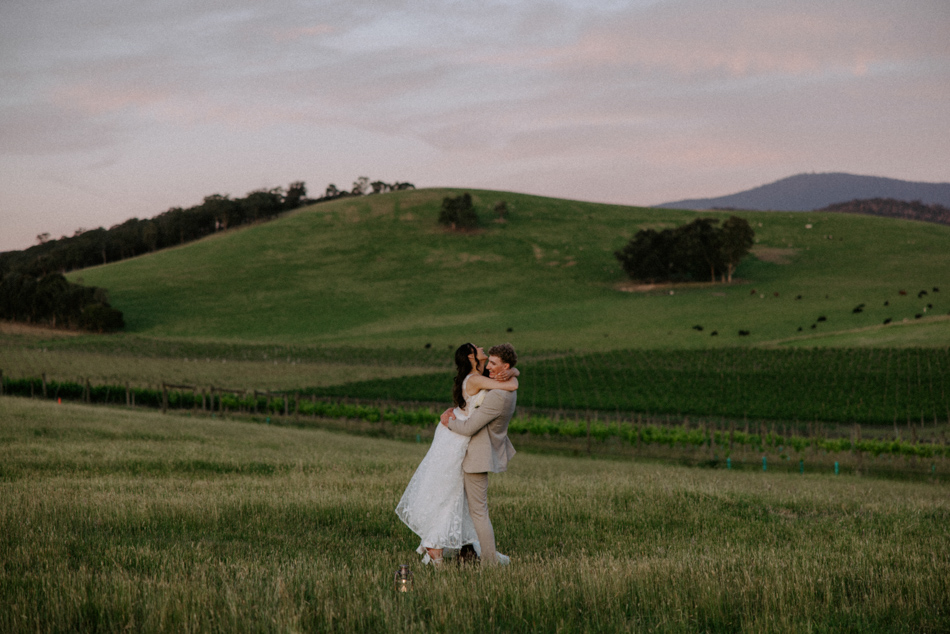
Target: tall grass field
x,y
115,520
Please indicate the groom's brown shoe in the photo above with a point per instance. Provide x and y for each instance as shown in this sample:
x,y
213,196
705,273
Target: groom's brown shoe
x,y
467,555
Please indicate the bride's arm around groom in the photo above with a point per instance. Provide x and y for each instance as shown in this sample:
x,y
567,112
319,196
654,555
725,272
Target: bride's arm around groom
x,y
489,449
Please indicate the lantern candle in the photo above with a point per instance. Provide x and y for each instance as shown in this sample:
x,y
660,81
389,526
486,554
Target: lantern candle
x,y
403,579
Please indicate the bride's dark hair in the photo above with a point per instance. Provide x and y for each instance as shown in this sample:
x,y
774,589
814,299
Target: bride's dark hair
x,y
463,368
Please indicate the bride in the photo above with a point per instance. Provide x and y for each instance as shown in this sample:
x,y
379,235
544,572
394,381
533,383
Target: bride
x,y
434,504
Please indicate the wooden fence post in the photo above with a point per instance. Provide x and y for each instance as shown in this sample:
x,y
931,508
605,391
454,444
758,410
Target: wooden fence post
x,y
296,406
588,433
44,385
128,400
164,397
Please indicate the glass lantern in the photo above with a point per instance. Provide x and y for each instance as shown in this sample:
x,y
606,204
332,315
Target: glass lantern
x,y
403,579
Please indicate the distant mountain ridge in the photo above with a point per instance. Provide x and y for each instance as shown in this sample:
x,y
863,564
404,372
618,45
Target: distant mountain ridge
x,y
808,192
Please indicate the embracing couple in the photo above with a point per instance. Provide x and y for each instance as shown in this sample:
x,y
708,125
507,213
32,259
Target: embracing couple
x,y
446,501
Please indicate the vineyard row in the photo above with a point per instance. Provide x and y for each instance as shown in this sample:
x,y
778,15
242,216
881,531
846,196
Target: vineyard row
x,y
635,433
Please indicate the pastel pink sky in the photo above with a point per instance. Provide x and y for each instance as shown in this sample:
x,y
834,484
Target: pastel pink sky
x,y
111,110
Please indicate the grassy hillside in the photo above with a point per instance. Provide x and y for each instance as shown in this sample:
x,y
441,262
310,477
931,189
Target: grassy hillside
x,y
378,271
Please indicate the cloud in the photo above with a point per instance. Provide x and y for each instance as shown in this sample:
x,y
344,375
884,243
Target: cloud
x,y
687,94
743,39
45,129
296,33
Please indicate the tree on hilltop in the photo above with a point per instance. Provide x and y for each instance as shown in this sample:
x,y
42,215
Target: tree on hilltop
x,y
699,246
458,212
296,195
692,252
360,186
737,238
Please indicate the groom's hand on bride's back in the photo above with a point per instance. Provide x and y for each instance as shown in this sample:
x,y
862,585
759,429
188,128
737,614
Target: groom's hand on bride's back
x,y
447,415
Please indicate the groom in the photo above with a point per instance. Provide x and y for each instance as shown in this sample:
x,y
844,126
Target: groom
x,y
489,450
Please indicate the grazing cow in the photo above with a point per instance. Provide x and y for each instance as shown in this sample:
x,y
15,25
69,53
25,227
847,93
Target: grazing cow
x,y
714,333
858,310
799,329
930,306
901,292
753,292
813,326
918,316
936,290
887,321
887,303
799,297
776,294
822,318
698,328
743,333
921,294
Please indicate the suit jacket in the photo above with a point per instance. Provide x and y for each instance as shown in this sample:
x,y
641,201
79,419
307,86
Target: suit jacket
x,y
489,450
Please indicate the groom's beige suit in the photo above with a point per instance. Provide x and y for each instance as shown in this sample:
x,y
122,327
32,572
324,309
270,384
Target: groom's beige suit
x,y
488,452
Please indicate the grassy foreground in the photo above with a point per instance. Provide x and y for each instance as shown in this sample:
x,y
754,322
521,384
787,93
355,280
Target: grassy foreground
x,y
114,520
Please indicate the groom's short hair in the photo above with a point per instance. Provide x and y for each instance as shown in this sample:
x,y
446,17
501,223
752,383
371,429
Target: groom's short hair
x,y
505,352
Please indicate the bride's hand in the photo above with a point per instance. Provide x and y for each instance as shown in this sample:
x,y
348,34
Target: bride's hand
x,y
504,375
447,415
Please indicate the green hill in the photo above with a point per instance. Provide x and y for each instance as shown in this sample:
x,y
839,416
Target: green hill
x,y
378,271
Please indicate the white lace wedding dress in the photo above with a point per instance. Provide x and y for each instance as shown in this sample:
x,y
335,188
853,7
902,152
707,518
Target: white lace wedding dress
x,y
434,504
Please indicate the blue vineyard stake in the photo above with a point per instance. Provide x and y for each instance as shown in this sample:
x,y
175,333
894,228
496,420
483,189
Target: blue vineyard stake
x,y
728,463
836,468
764,466
801,466
418,438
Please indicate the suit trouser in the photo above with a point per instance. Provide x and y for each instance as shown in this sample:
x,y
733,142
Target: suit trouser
x,y
476,492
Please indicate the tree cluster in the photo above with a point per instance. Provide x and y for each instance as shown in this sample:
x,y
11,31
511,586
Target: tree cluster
x,y
171,228
458,212
136,237
698,251
362,187
54,301
891,208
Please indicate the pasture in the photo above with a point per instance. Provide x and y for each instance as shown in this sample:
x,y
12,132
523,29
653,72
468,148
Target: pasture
x,y
115,519
378,272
